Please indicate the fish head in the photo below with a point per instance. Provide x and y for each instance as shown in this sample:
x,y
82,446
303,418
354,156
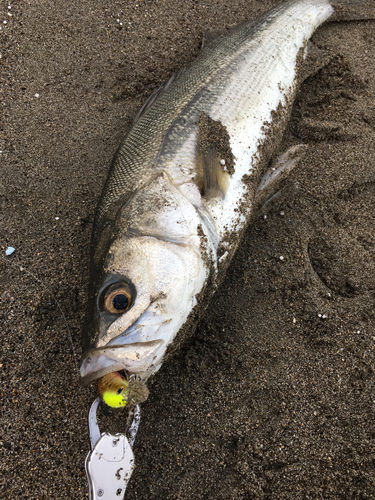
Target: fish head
x,y
146,290
146,293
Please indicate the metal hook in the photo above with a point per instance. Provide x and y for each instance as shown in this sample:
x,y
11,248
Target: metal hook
x,y
110,463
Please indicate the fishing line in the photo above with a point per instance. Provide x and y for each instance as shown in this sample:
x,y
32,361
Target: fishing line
x,y
23,269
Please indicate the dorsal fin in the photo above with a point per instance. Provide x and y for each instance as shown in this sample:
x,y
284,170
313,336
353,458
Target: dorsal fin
x,y
210,36
217,157
156,94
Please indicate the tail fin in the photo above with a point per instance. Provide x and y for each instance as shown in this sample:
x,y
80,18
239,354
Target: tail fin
x,y
353,10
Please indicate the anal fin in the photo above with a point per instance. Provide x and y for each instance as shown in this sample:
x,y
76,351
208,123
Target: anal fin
x,y
314,60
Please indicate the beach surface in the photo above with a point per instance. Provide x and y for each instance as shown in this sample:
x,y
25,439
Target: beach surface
x,y
273,396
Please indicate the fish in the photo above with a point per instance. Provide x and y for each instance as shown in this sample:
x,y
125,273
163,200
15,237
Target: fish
x,y
184,184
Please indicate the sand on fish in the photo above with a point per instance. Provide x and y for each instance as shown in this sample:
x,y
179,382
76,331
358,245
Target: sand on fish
x,y
273,396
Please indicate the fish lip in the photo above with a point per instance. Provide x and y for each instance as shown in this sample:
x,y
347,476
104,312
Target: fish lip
x,y
113,353
86,380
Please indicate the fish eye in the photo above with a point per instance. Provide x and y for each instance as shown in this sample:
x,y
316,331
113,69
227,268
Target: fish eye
x,y
118,298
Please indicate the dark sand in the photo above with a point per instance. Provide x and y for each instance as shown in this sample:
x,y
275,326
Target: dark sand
x,y
273,397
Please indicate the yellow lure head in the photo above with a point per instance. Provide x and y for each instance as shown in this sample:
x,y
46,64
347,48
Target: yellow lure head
x,y
113,389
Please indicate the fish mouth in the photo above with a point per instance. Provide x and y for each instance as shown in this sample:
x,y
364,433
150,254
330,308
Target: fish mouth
x,y
137,357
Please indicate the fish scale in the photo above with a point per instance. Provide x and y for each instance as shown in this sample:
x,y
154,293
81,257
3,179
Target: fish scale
x,y
182,187
140,147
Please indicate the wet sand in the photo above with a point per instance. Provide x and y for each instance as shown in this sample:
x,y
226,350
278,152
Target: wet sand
x,y
273,396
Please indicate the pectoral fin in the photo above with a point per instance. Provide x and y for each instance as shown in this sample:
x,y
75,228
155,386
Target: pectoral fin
x,y
217,158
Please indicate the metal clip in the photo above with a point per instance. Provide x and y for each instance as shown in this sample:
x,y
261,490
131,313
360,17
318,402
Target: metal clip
x,y
110,463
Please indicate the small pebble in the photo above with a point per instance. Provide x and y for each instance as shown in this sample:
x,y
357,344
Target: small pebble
x,y
282,213
281,257
223,256
222,162
319,315
36,95
264,216
9,250
57,218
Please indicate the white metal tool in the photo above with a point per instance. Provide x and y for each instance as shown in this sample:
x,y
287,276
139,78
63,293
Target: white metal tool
x,y
110,463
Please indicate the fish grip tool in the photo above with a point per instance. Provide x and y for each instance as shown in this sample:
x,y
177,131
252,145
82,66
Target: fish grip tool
x,y
110,463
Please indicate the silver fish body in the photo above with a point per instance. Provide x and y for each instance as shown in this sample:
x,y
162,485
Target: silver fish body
x,y
181,189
